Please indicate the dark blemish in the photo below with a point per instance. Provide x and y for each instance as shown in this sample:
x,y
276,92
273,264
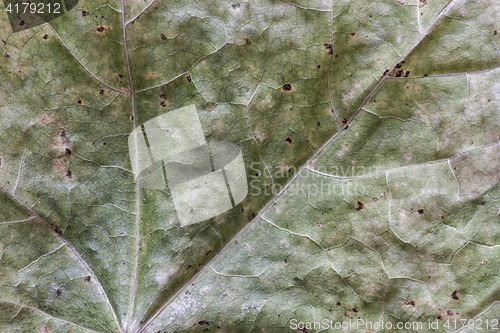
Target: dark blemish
x,y
344,121
399,65
489,100
329,49
339,304
442,217
209,110
163,104
236,5
104,143
189,266
455,296
296,279
495,33
223,296
63,134
319,123
449,312
251,217
248,41
359,205
21,23
45,36
484,263
68,151
412,302
354,310
163,96
286,261
4,42
120,75
208,252
420,211
482,203
385,73
286,87
101,92
59,292
336,55
58,230
163,37
100,29
203,322
425,75
68,174
399,73
352,34
6,55
319,66
407,73
80,101
84,13
289,141
439,317
188,78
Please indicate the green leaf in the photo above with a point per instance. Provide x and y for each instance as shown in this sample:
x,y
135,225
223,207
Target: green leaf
x,y
370,134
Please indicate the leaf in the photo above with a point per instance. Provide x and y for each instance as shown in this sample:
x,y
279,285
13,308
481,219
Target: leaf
x,y
370,133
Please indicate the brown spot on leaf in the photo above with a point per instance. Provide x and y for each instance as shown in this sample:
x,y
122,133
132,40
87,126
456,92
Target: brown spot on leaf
x,y
484,263
251,217
189,266
100,29
101,92
352,34
86,279
344,121
163,37
359,205
420,211
339,304
163,96
455,295
286,87
188,78
163,104
319,224
495,33
289,141
6,55
449,313
4,42
84,13
58,230
80,101
59,292
69,174
203,322
208,252
319,66
21,23
329,48
68,151
409,302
